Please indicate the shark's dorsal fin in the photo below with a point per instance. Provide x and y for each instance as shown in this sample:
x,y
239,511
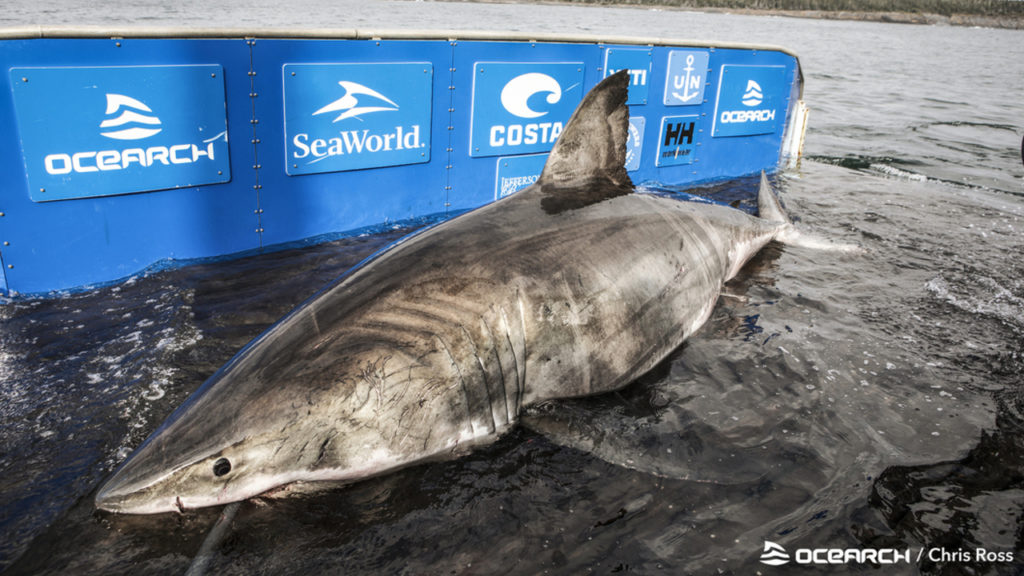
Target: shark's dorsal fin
x,y
588,163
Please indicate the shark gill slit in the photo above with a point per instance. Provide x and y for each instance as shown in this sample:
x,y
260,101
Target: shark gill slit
x,y
494,347
462,382
517,399
485,379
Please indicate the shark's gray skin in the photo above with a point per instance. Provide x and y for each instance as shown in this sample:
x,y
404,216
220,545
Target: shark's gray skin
x,y
574,286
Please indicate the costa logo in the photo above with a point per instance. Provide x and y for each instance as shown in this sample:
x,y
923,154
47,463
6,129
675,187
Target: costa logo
x,y
521,108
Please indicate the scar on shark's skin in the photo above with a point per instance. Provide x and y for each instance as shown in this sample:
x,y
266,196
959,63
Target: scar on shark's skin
x,y
436,344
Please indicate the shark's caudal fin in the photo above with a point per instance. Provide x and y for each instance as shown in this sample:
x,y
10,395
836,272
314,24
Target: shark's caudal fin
x,y
587,164
769,208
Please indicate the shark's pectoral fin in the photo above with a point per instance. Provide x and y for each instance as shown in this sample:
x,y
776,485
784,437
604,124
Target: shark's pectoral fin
x,y
588,162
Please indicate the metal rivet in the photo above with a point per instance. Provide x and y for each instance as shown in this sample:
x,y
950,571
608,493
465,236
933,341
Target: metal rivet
x,y
42,189
220,172
2,214
23,79
213,75
118,44
7,243
10,266
293,73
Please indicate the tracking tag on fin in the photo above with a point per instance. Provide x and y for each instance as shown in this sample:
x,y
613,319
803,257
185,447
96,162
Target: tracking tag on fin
x,y
588,163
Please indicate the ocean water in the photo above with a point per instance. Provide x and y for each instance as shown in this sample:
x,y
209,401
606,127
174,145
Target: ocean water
x,y
867,401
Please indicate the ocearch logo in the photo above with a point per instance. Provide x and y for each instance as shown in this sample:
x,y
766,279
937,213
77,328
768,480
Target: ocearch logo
x,y
131,112
125,110
515,98
774,555
753,96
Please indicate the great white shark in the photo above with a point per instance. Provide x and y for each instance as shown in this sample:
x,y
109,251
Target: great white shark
x,y
574,286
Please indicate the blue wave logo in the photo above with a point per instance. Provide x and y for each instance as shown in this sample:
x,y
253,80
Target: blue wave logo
x,y
132,112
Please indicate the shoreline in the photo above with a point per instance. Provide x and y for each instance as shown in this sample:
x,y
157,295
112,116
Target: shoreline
x,y
896,17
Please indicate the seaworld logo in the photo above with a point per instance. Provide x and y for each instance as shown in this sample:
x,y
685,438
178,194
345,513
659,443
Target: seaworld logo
x,y
349,103
354,142
354,116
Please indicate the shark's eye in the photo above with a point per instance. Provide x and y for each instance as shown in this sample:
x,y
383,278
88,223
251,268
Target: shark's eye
x,y
221,467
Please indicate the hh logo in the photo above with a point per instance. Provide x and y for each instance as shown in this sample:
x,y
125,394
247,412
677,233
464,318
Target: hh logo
x,y
131,111
521,108
679,139
379,115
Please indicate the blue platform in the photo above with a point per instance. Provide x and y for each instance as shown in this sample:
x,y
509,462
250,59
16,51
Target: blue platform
x,y
121,152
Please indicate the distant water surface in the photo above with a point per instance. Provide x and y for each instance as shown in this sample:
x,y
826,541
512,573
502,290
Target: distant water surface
x,y
832,401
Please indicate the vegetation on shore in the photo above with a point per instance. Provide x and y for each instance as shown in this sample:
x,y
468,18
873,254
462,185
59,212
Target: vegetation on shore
x,y
991,13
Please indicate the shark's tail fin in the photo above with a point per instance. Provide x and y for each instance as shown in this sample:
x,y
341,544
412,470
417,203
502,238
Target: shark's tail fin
x,y
769,208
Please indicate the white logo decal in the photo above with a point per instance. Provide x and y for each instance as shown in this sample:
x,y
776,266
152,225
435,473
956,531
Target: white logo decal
x,y
688,82
515,96
753,95
349,104
774,555
116,102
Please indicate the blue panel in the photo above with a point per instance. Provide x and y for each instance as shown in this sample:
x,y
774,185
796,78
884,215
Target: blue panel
x,y
298,207
686,74
677,143
638,62
517,172
352,116
751,100
519,108
88,131
71,243
415,108
635,142
473,177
